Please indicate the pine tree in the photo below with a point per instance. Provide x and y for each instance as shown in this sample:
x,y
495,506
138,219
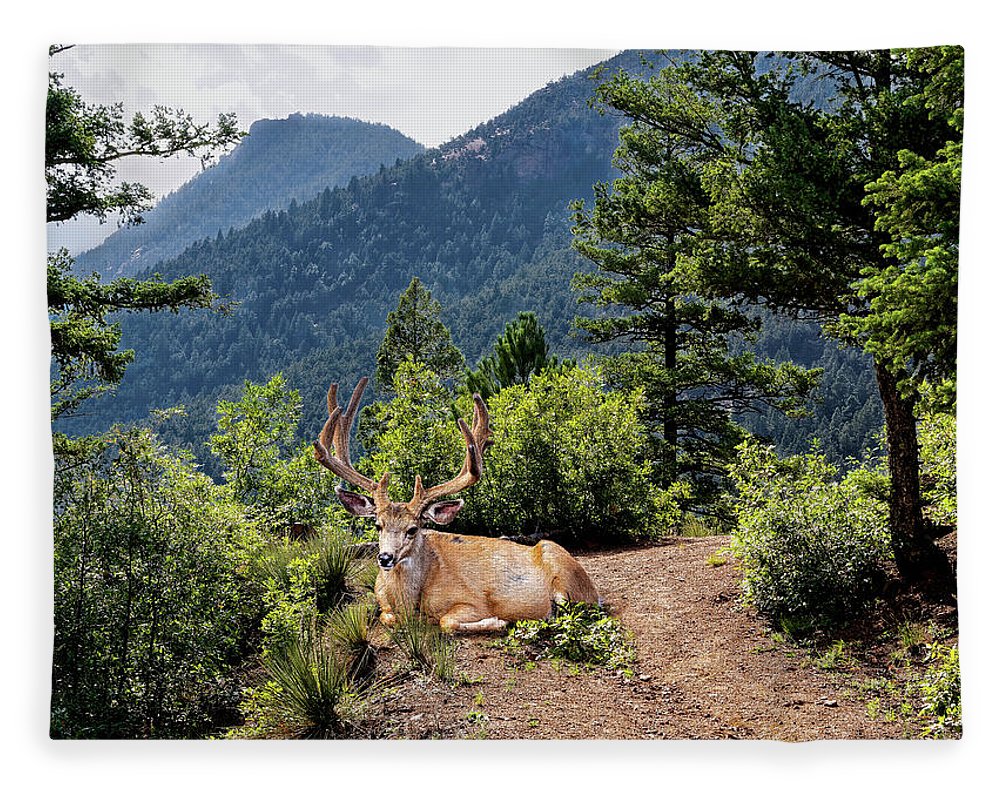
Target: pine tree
x,y
415,332
676,343
519,353
912,321
82,145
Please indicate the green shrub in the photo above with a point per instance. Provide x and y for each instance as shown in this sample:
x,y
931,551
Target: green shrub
x,y
927,694
941,692
568,456
577,632
938,471
315,646
413,434
154,605
303,579
810,545
276,479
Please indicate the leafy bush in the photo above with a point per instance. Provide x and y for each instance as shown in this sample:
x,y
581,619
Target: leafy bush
x,y
810,545
941,692
153,602
414,434
928,693
276,479
938,471
577,632
568,456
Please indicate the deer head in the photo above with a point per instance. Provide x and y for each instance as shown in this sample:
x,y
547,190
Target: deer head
x,y
399,524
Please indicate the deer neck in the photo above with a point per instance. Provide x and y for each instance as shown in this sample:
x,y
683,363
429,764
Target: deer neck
x,y
408,575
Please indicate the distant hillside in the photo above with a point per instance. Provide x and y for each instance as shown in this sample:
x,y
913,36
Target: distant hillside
x,y
483,221
277,162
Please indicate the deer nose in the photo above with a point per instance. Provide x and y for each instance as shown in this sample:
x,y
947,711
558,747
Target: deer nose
x,y
385,560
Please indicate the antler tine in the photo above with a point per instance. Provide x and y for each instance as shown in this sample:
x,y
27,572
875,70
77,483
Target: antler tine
x,y
481,423
477,439
352,406
331,399
335,435
342,430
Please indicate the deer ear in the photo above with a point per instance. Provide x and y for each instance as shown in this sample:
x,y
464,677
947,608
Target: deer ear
x,y
444,512
357,504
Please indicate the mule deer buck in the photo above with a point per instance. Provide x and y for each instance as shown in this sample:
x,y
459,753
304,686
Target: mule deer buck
x,y
466,583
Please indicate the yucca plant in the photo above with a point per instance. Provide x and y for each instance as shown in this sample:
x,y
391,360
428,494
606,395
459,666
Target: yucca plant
x,y
428,648
347,634
312,684
336,564
365,574
336,567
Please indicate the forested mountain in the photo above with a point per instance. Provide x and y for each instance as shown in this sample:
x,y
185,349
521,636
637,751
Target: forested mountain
x,y
277,162
483,221
847,414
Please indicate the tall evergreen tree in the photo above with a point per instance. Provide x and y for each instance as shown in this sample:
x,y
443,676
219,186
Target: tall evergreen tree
x,y
911,324
801,215
676,343
415,331
83,143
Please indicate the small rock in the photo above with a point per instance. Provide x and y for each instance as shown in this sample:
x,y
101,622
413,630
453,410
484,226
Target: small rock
x,y
829,702
645,677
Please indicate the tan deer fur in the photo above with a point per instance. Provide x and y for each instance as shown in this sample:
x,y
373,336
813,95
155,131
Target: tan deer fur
x,y
472,583
466,583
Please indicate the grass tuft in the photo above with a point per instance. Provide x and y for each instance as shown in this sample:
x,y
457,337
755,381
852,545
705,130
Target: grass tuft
x,y
428,648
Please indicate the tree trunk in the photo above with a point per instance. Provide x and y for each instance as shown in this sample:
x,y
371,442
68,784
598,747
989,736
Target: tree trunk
x,y
670,400
918,559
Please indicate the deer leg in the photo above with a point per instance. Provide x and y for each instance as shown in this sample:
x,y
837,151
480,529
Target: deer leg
x,y
485,625
386,602
467,619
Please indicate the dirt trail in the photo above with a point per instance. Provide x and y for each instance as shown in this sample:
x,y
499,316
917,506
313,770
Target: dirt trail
x,y
706,669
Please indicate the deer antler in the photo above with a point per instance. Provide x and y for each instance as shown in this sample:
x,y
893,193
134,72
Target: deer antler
x,y
477,439
336,433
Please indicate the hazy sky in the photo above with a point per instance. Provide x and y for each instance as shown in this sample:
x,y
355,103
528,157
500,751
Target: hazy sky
x,y
429,94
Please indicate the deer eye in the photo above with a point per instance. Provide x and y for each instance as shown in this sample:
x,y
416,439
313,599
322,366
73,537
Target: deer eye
x,y
412,531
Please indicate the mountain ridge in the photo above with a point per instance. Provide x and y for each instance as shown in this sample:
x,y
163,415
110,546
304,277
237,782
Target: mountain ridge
x,y
280,160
